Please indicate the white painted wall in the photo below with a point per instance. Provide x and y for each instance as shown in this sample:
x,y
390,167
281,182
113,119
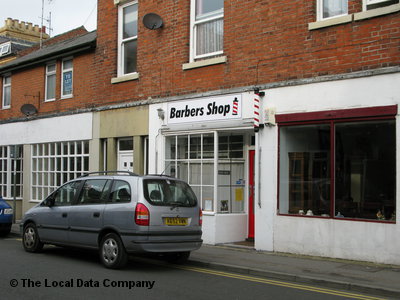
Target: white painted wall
x,y
63,128
217,228
359,240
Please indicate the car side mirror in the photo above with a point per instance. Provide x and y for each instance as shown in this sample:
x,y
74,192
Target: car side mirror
x,y
49,201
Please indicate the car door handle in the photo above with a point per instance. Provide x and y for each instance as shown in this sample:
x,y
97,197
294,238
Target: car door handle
x,y
96,214
64,215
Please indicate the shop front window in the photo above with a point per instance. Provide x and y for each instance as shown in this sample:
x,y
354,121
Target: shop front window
x,y
56,163
11,168
340,169
192,158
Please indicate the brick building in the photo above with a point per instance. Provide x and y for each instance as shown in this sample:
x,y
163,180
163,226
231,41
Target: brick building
x,y
316,175
16,36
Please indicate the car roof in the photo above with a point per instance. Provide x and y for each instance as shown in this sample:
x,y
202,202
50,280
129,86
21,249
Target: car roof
x,y
122,175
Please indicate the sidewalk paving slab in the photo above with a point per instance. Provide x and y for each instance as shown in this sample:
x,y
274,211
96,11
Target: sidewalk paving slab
x,y
378,279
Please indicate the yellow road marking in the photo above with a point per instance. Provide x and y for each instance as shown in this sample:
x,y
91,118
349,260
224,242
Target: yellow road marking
x,y
268,281
278,283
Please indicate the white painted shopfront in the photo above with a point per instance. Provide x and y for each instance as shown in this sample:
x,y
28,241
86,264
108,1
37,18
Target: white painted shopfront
x,y
329,169
325,174
209,142
51,151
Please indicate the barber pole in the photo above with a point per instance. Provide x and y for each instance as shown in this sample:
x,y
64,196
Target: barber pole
x,y
235,107
256,111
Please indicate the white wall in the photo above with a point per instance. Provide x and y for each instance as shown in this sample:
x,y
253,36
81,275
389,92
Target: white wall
x,y
217,228
65,128
369,241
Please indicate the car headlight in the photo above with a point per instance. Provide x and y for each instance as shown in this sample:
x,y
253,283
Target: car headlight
x,y
8,211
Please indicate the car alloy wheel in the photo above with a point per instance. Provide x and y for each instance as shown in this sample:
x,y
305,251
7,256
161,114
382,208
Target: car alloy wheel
x,y
112,251
30,239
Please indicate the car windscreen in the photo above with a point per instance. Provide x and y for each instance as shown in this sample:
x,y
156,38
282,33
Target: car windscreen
x,y
166,192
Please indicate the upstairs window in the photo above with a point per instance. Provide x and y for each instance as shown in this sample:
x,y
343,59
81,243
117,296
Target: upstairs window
x,y
372,4
207,29
127,38
50,82
7,92
331,8
5,49
67,78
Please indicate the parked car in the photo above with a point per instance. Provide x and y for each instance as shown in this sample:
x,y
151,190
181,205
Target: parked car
x,y
6,217
118,214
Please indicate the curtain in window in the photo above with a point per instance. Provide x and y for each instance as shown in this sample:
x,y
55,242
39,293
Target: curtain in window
x,y
7,96
210,37
333,8
209,26
51,87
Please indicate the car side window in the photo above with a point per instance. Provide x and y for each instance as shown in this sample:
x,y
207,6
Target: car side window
x,y
66,194
155,191
120,192
94,191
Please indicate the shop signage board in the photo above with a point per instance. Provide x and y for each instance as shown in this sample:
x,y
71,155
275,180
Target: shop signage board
x,y
206,109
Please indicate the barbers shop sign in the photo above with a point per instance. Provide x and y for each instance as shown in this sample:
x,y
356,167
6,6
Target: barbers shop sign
x,y
206,109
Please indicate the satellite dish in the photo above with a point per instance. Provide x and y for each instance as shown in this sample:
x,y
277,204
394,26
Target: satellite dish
x,y
28,109
152,21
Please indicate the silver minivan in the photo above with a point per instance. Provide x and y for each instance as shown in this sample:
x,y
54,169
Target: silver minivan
x,y
118,214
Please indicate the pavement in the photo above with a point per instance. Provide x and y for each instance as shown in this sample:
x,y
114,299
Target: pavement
x,y
355,276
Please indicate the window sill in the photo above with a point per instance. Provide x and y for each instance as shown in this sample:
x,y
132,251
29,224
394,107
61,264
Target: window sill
x,y
205,63
330,22
67,97
339,219
133,76
117,2
376,12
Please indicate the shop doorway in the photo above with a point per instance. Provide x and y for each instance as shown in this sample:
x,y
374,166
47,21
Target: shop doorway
x,y
125,162
125,154
251,195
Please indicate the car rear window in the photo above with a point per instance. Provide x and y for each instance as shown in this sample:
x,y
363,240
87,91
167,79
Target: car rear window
x,y
166,192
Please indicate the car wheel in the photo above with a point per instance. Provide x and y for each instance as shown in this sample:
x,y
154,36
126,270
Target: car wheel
x,y
112,251
30,239
178,257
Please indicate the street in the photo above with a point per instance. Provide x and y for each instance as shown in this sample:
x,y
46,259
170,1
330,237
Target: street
x,y
65,273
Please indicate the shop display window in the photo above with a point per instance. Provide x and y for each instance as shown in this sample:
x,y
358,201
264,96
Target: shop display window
x,y
193,159
338,169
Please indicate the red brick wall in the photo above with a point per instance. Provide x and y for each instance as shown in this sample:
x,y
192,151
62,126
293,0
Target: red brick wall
x,y
28,86
264,41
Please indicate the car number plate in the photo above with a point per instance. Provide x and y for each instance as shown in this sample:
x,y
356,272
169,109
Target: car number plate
x,y
176,221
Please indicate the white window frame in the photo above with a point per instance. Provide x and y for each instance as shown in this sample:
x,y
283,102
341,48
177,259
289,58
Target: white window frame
x,y
5,87
372,2
5,49
7,164
193,32
63,71
320,11
122,41
204,157
53,164
48,74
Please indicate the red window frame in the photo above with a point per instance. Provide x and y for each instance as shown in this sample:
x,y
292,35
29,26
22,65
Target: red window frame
x,y
332,117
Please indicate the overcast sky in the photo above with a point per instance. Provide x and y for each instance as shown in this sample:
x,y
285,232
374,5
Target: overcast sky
x,y
65,14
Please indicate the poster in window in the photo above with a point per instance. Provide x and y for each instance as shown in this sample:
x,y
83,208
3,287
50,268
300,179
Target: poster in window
x,y
67,83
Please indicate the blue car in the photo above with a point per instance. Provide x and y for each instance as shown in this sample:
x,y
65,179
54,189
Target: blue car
x,y
6,217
